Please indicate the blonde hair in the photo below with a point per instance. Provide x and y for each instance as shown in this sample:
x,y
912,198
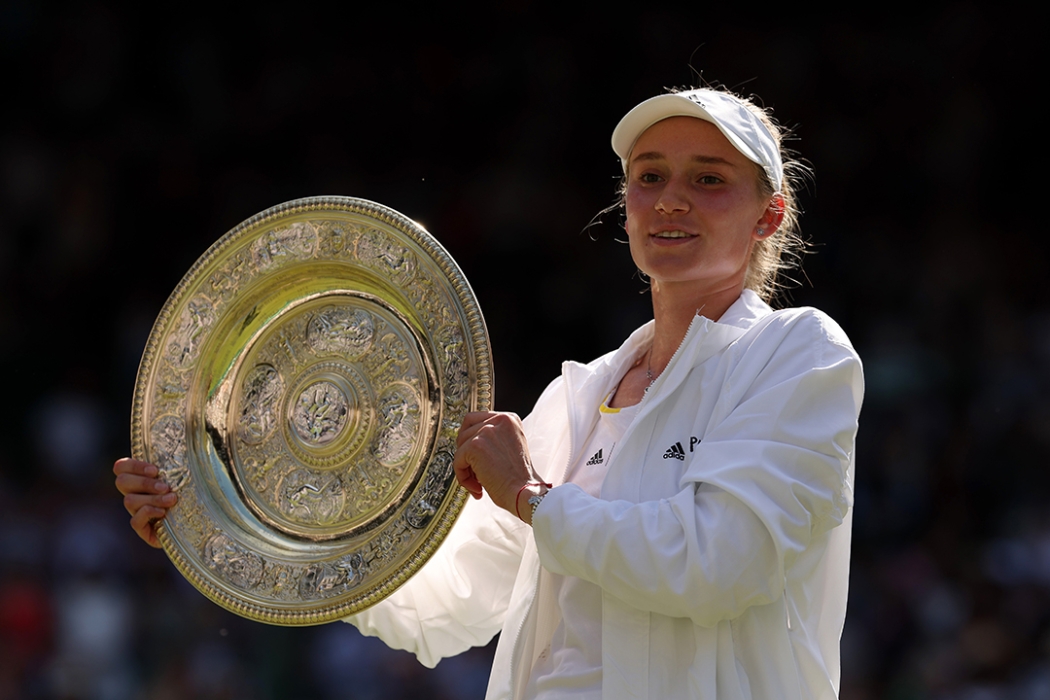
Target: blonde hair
x,y
783,249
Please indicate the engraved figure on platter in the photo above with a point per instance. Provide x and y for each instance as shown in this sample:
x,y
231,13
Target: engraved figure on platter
x,y
227,277
396,365
261,390
296,241
420,513
169,440
380,248
196,318
438,473
341,331
334,237
399,412
456,372
259,472
233,562
285,583
311,498
168,437
322,580
386,545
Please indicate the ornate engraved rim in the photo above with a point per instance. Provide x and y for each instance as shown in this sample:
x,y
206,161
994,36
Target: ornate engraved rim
x,y
481,399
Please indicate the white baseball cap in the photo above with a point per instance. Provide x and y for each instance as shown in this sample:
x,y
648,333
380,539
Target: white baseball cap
x,y
739,124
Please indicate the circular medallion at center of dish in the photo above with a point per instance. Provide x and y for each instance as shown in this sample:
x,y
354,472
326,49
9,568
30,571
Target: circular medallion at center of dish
x,y
320,413
329,414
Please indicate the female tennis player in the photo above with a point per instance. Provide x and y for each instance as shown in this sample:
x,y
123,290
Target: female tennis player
x,y
673,519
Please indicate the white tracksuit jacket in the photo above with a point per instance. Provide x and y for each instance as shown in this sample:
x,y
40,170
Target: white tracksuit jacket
x,y
721,539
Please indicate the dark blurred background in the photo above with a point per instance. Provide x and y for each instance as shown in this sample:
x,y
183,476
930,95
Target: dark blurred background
x,y
133,136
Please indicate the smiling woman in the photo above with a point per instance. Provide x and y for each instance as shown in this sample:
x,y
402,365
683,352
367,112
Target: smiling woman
x,y
693,539
673,519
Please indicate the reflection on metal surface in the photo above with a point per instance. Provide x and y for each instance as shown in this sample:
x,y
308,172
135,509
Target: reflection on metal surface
x,y
301,390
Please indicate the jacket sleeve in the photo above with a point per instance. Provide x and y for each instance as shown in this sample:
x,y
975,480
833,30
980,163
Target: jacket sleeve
x,y
459,598
772,473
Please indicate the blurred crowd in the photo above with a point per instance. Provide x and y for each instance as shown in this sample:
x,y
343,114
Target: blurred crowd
x,y
129,147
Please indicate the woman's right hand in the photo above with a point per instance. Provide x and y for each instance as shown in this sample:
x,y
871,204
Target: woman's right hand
x,y
146,497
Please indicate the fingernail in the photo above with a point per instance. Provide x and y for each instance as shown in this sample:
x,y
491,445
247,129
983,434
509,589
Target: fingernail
x,y
160,487
168,498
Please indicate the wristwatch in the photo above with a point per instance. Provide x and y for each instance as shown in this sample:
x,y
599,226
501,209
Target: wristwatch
x,y
535,501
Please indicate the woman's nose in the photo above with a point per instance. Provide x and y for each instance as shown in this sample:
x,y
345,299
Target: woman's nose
x,y
672,199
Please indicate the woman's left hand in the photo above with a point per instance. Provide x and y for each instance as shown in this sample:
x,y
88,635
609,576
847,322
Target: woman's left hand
x,y
492,455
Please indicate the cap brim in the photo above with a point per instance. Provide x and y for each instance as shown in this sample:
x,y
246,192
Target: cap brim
x,y
661,107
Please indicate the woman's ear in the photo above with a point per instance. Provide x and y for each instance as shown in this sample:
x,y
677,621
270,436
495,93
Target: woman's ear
x,y
771,218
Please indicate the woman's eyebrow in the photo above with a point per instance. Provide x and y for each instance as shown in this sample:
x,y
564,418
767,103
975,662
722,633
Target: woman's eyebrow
x,y
712,160
648,155
705,160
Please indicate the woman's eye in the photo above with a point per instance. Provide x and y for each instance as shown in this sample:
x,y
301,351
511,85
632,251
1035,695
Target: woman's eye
x,y
649,177
710,180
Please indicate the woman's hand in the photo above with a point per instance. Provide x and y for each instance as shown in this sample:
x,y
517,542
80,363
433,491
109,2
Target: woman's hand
x,y
146,497
492,455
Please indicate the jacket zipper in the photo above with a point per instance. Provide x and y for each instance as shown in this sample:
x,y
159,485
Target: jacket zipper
x,y
649,393
517,641
671,362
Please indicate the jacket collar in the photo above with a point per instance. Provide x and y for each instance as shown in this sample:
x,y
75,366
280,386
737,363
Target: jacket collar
x,y
745,311
704,339
589,384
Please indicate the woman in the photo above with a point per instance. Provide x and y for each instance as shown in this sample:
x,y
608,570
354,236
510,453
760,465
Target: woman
x,y
695,542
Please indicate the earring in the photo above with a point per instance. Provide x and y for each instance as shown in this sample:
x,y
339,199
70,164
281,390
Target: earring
x,y
761,232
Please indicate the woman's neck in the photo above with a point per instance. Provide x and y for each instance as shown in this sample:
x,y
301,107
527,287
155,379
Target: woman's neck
x,y
673,311
674,307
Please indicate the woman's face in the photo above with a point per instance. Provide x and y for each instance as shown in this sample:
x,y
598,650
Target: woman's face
x,y
694,209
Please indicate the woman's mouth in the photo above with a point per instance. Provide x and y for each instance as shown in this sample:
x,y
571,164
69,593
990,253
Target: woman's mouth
x,y
672,234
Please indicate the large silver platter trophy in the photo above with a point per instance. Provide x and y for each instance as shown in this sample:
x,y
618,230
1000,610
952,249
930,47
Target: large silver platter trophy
x,y
301,391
